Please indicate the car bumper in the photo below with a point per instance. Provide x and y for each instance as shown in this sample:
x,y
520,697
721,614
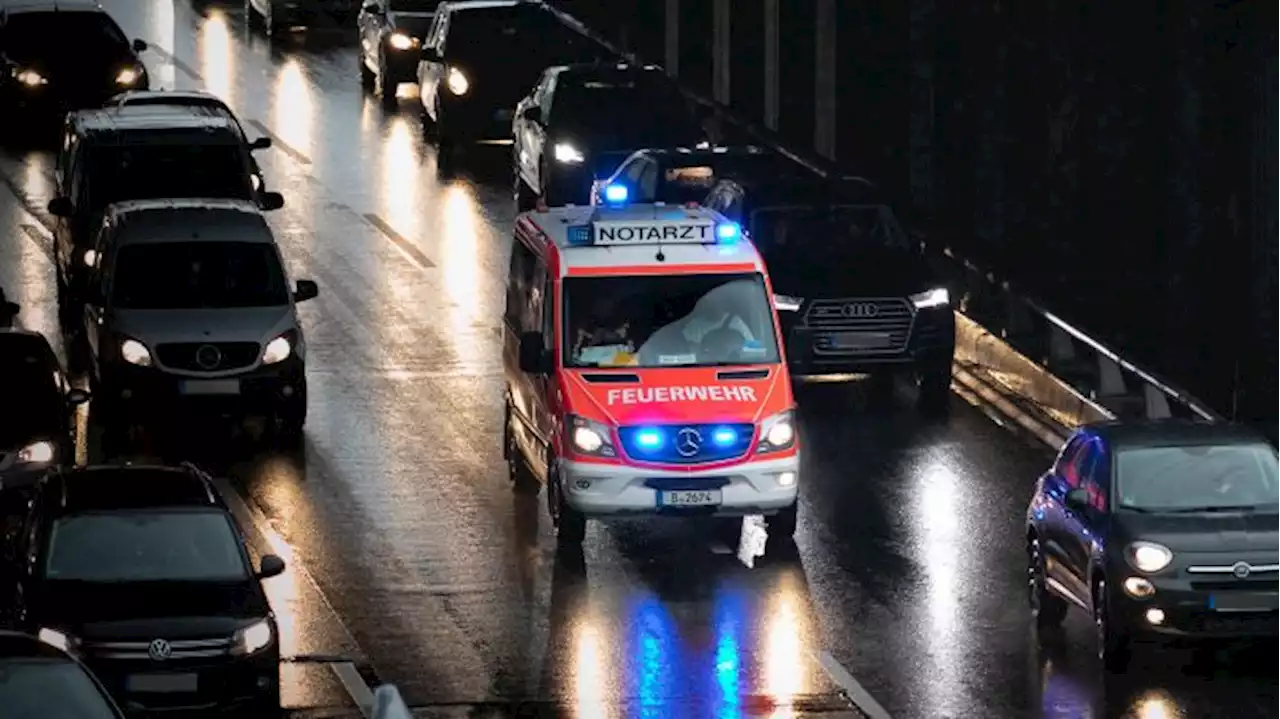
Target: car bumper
x,y
138,393
227,688
930,344
609,489
1186,613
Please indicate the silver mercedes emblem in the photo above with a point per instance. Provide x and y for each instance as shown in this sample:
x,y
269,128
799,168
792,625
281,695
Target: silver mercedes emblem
x,y
208,356
860,310
1241,570
159,650
688,442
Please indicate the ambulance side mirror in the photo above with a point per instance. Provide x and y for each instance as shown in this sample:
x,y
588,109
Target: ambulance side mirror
x,y
534,358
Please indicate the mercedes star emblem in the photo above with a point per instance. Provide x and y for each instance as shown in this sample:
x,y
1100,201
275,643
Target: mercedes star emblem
x,y
860,310
159,650
688,442
1241,570
208,357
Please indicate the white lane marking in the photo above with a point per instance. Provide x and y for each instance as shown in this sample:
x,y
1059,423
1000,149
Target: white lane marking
x,y
345,671
860,697
355,686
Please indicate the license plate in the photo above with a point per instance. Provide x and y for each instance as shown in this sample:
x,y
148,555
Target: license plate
x,y
860,340
158,683
211,386
1244,601
689,498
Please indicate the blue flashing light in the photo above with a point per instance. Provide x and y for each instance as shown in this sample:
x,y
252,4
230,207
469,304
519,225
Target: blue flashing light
x,y
724,436
616,194
649,439
728,232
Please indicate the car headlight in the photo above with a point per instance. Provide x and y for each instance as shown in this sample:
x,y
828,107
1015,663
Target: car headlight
x,y
936,297
30,78
568,154
90,258
136,353
787,303
127,76
55,638
37,452
277,350
590,437
458,83
778,432
253,638
403,41
1149,556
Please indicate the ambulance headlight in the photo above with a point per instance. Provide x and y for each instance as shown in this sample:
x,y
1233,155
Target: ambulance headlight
x,y
590,437
616,194
728,232
568,154
457,82
937,297
778,432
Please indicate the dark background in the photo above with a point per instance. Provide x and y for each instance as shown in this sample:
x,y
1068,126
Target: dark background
x,y
1114,160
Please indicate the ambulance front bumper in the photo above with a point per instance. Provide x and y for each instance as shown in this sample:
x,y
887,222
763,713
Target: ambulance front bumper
x,y
753,488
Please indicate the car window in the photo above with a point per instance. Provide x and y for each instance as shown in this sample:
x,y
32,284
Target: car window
x,y
169,169
1080,465
520,277
39,688
144,546
1200,476
189,275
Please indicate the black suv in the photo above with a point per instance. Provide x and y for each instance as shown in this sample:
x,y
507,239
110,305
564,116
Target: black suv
x,y
581,121
143,574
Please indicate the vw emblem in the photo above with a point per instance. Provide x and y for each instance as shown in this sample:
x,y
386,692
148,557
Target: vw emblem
x,y
688,442
208,356
159,650
1241,570
860,310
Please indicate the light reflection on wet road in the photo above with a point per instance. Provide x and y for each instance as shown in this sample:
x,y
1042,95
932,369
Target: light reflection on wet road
x,y
414,559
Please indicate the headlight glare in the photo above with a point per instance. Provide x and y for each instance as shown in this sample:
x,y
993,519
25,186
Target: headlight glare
x,y
277,350
778,432
30,78
55,638
127,76
253,638
135,353
590,437
457,82
402,41
568,154
1149,556
937,297
787,303
37,452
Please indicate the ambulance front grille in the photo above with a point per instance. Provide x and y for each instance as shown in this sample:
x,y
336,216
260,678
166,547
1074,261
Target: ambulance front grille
x,y
686,443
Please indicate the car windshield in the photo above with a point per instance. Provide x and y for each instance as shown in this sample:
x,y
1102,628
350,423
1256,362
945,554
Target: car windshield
x,y
839,230
625,113
188,275
150,171
145,546
1197,477
51,32
668,321
40,688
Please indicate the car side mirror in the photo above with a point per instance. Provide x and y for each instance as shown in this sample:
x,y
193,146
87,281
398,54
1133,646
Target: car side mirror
x,y
1078,498
270,566
77,397
533,114
60,207
533,356
139,45
430,54
272,201
262,143
306,290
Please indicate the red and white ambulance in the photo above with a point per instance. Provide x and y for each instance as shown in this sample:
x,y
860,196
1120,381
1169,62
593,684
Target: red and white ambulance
x,y
645,372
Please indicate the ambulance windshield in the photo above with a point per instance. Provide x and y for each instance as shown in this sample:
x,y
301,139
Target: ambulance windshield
x,y
709,320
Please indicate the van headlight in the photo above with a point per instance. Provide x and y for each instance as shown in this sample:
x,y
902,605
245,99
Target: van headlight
x,y
1149,556
590,437
127,77
568,154
778,432
402,41
457,82
135,353
37,453
278,349
55,638
253,638
936,297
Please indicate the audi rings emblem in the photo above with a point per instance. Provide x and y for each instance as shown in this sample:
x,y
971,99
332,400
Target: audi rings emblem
x,y
159,650
1240,570
208,357
688,442
860,310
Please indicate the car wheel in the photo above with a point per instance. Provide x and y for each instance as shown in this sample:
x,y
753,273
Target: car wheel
x,y
386,90
1047,608
934,389
1113,643
570,524
522,479
268,708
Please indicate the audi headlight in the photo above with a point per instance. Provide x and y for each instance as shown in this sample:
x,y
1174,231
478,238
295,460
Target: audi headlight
x,y
937,297
277,350
568,154
403,41
127,76
253,638
1149,556
37,452
787,303
457,82
55,638
590,437
30,78
778,432
135,353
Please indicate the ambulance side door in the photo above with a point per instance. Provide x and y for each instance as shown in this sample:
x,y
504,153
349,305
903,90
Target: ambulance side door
x,y
541,319
524,314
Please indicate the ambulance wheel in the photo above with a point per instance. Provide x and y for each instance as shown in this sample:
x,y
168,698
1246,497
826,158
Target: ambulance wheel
x,y
570,524
782,526
522,479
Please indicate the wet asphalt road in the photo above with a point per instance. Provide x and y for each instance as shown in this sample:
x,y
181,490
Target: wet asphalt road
x,y
412,559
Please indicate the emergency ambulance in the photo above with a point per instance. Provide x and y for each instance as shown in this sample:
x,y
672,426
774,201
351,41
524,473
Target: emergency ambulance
x,y
645,373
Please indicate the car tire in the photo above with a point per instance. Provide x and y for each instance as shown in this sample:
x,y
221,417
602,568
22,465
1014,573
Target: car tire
x,y
781,527
367,79
1114,649
521,477
1047,608
569,523
386,90
933,383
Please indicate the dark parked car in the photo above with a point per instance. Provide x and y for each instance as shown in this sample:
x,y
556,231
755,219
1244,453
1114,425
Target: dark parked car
x,y
391,33
1160,529
144,575
41,681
